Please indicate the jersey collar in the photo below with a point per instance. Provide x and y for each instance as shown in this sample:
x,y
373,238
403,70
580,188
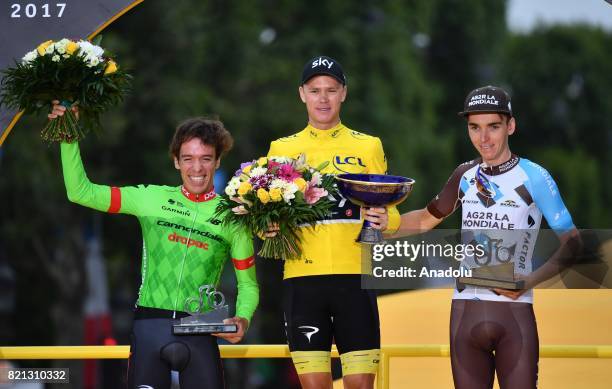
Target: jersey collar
x,y
501,168
198,198
333,132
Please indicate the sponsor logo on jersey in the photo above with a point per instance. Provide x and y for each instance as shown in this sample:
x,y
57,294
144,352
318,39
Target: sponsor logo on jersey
x,y
547,178
184,212
488,220
309,334
524,249
288,138
504,167
358,135
348,164
509,203
177,203
335,133
181,227
214,221
174,237
530,221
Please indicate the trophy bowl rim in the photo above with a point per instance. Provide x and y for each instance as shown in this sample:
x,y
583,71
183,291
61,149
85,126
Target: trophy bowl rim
x,y
409,181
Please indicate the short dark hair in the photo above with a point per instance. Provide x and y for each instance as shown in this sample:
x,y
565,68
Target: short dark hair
x,y
209,131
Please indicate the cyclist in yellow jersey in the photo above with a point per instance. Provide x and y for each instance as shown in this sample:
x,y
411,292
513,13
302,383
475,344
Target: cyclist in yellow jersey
x,y
323,298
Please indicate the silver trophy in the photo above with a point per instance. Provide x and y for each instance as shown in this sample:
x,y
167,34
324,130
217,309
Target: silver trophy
x,y
201,322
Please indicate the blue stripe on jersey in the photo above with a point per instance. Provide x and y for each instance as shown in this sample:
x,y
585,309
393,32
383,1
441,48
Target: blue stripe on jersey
x,y
546,196
464,184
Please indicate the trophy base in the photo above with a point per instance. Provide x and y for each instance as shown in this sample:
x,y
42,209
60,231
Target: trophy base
x,y
203,328
489,283
370,235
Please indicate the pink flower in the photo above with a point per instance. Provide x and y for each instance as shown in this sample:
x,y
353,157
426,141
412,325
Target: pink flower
x,y
287,173
272,165
313,194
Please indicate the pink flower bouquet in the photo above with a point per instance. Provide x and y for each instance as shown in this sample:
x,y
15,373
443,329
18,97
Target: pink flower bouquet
x,y
278,191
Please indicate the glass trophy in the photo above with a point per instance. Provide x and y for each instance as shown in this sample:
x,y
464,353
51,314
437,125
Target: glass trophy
x,y
200,321
373,190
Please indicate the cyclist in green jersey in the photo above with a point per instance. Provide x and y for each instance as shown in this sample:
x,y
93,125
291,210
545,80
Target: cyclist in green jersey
x,y
184,247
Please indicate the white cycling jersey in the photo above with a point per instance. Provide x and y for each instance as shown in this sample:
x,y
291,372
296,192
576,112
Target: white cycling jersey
x,y
502,207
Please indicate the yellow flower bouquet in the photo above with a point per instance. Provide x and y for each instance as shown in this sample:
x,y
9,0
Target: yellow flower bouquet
x,y
74,72
278,191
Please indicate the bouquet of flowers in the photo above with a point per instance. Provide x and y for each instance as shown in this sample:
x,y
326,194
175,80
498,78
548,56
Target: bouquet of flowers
x,y
74,72
278,191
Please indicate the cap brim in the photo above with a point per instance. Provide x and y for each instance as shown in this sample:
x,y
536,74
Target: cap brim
x,y
305,80
465,113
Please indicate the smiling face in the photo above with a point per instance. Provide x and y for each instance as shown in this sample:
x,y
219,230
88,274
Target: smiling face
x,y
489,134
323,96
197,163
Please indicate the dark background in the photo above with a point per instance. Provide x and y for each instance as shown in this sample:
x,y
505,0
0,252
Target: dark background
x,y
409,65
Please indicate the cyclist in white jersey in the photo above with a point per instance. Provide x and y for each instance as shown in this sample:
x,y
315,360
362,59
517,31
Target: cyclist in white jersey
x,y
503,198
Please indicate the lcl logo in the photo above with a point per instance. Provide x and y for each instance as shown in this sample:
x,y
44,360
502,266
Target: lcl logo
x,y
350,164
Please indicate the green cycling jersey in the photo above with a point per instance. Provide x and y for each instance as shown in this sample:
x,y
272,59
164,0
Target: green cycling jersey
x,y
184,245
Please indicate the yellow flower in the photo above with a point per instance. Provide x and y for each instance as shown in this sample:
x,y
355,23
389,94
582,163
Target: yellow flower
x,y
276,194
244,188
247,169
71,47
301,183
262,161
111,67
43,46
263,195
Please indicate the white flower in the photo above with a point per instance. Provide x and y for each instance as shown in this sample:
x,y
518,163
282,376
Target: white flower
x,y
232,186
50,49
29,57
92,61
230,191
280,159
60,46
289,192
90,50
234,183
55,58
258,171
278,183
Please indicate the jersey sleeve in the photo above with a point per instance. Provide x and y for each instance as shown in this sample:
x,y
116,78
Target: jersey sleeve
x,y
100,197
545,194
243,259
274,149
448,200
379,166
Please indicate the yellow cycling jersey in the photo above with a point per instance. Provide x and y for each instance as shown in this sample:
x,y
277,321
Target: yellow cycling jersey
x,y
330,247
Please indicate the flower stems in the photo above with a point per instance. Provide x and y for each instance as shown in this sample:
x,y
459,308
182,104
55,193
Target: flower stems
x,y
64,128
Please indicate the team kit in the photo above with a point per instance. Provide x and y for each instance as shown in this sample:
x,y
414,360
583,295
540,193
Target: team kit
x,y
185,245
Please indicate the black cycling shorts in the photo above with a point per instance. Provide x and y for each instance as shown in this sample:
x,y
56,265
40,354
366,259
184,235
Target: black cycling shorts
x,y
319,309
155,351
493,336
